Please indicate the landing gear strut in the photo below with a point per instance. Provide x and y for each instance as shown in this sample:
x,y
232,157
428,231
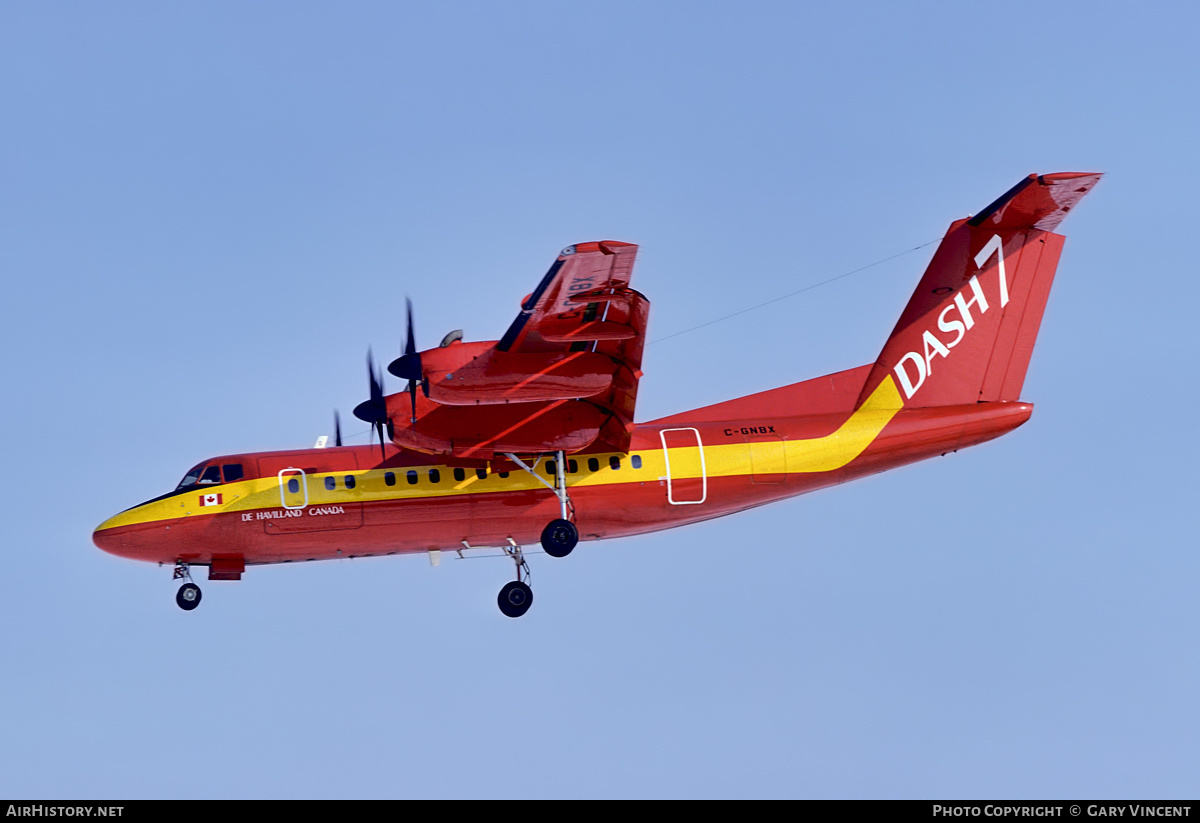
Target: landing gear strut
x,y
560,536
188,596
516,597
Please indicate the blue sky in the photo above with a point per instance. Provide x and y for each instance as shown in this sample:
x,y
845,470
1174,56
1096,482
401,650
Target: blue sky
x,y
212,209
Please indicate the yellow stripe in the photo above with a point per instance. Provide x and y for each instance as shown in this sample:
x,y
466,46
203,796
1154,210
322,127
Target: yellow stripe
x,y
824,454
819,454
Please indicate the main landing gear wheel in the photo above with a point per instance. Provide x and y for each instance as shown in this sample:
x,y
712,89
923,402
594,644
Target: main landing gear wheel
x,y
515,599
559,537
188,597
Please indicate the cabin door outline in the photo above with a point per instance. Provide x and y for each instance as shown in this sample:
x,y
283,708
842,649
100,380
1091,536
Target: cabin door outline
x,y
681,487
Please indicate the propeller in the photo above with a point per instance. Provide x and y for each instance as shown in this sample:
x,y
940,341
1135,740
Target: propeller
x,y
408,365
374,410
337,429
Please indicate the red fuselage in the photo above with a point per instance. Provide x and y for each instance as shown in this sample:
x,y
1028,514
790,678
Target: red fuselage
x,y
294,506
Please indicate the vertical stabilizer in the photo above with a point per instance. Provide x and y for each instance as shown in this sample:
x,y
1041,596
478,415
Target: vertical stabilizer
x,y
968,331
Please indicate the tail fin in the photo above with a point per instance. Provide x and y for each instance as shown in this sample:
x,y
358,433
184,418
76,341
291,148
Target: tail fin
x,y
968,331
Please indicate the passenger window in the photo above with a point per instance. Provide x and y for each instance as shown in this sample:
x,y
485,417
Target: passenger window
x,y
460,475
211,475
636,460
614,462
233,472
504,475
593,464
551,468
389,478
294,486
435,476
481,474
411,476
349,481
572,466
330,483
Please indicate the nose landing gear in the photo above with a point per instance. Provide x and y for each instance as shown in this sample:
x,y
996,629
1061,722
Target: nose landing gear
x,y
516,597
188,596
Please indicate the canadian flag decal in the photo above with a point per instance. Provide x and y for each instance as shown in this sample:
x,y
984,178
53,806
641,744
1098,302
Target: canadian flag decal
x,y
210,500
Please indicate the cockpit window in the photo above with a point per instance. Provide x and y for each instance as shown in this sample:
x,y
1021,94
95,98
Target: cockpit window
x,y
211,475
190,478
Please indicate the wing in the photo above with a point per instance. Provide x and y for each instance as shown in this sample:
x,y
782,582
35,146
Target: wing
x,y
585,304
565,373
584,298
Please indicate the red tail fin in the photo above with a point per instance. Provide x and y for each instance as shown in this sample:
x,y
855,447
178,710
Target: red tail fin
x,y
968,331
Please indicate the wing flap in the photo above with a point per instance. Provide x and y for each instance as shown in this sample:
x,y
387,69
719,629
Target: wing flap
x,y
521,428
499,377
596,330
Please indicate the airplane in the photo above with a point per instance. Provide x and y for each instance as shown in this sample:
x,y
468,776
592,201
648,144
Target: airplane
x,y
531,439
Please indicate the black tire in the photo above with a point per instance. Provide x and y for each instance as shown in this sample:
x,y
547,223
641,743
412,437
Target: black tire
x,y
188,596
559,537
515,599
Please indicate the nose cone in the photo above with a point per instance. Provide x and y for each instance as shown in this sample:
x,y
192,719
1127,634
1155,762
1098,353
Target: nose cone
x,y
140,533
106,536
126,535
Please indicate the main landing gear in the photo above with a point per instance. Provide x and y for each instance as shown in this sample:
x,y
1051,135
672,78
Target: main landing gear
x,y
188,596
560,536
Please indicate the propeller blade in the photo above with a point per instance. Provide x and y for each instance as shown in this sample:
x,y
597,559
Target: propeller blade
x,y
376,378
408,365
411,346
375,409
337,429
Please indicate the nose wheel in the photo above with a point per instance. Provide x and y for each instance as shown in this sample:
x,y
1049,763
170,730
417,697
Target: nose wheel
x,y
516,597
188,596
